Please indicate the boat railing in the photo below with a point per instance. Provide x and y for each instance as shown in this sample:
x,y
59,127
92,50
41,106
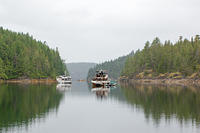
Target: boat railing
x,y
100,79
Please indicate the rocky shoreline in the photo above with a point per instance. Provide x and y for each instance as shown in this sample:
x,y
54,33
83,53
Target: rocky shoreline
x,y
182,82
29,81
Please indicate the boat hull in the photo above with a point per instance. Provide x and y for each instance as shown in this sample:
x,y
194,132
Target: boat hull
x,y
60,81
65,82
99,83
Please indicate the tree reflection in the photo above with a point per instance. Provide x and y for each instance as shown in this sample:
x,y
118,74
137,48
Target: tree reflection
x,y
182,103
20,105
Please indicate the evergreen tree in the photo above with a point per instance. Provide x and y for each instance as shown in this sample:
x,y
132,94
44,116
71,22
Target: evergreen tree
x,y
182,57
21,56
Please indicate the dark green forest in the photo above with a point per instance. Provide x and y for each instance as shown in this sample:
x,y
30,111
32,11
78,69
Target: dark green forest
x,y
22,56
113,67
172,60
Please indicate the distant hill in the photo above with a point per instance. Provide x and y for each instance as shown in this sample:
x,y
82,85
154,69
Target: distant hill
x,y
113,67
79,70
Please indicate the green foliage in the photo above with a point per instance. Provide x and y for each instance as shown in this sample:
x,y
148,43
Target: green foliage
x,y
113,67
183,57
2,70
21,56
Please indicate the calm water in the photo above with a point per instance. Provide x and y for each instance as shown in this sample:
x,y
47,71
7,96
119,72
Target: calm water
x,y
129,108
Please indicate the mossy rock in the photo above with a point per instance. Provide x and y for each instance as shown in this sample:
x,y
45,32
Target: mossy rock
x,y
147,72
150,75
178,77
162,75
175,75
194,76
123,77
140,75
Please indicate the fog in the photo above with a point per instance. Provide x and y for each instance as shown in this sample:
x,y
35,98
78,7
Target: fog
x,y
96,31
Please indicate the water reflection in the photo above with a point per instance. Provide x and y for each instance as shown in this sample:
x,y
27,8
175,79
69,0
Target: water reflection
x,y
131,107
165,102
101,92
22,105
63,87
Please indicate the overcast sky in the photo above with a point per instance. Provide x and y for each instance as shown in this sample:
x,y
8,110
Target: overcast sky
x,y
100,30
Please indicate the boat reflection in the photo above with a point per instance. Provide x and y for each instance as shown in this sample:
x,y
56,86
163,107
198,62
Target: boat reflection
x,y
63,87
101,92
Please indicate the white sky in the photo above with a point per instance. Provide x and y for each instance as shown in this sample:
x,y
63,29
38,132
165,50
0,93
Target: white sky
x,y
100,30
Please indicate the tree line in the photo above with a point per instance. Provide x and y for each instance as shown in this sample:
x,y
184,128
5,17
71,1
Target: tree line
x,y
182,57
22,56
157,60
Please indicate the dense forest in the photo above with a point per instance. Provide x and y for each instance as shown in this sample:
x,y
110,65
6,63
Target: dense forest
x,y
113,67
168,60
22,56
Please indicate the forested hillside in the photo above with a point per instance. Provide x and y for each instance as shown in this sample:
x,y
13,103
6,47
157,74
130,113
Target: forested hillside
x,y
113,67
168,60
22,56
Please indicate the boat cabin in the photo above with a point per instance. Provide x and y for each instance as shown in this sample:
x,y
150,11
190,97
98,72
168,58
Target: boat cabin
x,y
101,76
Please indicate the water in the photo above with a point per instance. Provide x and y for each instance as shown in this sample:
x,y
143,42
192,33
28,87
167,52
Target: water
x,y
129,108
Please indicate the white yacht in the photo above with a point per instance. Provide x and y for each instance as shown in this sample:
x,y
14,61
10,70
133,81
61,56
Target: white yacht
x,y
63,79
100,79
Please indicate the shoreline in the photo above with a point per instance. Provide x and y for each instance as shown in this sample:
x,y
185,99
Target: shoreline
x,y
182,82
29,81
